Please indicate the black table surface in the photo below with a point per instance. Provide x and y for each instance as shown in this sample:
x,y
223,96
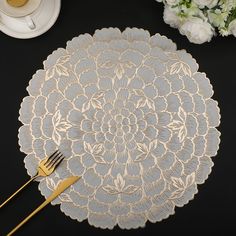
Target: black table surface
x,y
212,210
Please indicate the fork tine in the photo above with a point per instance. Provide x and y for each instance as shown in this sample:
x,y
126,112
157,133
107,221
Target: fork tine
x,y
48,163
57,163
52,156
52,164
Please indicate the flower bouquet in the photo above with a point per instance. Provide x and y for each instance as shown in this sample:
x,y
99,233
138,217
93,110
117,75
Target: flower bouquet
x,y
199,20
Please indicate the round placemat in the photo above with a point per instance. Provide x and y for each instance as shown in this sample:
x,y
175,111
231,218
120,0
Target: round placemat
x,y
134,118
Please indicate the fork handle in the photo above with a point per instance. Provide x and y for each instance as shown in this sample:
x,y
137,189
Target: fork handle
x,y
20,189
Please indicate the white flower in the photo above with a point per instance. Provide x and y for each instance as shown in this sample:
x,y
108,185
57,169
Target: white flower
x,y
224,32
200,19
232,27
217,18
206,3
196,30
171,18
227,6
172,2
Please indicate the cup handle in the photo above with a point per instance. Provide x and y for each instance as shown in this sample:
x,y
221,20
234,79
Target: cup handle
x,y
30,22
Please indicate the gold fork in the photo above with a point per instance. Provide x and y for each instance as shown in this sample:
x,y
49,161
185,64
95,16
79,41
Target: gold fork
x,y
45,168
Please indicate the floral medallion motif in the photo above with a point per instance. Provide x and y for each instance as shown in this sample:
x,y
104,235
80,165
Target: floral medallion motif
x,y
134,118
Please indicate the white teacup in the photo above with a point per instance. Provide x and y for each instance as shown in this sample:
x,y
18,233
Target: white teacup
x,y
20,11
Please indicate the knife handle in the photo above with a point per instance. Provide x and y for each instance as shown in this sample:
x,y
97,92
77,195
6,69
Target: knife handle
x,y
61,188
29,217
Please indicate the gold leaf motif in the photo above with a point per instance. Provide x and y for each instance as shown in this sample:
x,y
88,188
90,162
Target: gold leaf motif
x,y
182,134
129,64
181,185
141,102
186,69
182,114
119,183
56,138
175,68
63,59
98,95
86,106
139,92
178,183
130,189
99,159
119,187
119,71
96,104
153,145
178,66
65,197
177,194
61,70
50,73
63,126
88,148
150,104
56,118
190,180
107,64
142,147
59,125
179,125
110,189
50,184
97,149
145,150
141,157
175,125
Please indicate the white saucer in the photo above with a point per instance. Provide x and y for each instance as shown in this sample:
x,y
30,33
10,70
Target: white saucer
x,y
27,9
44,18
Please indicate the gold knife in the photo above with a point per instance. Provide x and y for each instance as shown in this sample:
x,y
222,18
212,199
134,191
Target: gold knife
x,y
61,188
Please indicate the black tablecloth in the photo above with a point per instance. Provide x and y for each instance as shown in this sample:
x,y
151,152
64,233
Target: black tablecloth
x,y
213,208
